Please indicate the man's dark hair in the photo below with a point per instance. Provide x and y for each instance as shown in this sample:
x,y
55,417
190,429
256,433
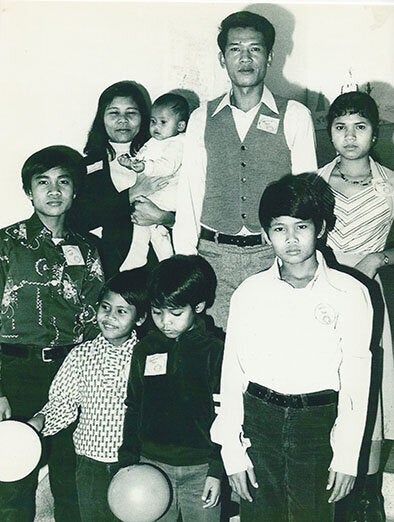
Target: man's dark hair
x,y
354,102
55,156
182,280
306,196
175,103
247,19
132,286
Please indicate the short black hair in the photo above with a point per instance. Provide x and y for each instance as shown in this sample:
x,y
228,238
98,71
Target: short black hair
x,y
354,102
182,280
132,286
247,19
306,196
174,102
55,156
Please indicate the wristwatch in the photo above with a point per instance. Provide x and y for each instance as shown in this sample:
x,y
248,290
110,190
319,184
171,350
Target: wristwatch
x,y
386,260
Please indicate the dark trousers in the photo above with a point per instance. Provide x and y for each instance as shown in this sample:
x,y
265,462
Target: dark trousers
x,y
93,479
26,383
290,450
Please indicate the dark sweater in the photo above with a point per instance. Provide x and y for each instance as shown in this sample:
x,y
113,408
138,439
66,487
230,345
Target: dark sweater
x,y
169,415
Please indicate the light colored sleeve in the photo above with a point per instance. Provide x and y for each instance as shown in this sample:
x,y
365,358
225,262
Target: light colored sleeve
x,y
169,162
300,137
227,427
354,376
191,186
64,396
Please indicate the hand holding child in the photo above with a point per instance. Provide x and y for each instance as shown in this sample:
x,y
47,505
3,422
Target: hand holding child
x,y
341,485
239,483
145,186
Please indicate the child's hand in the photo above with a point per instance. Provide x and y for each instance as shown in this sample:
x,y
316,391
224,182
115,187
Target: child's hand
x,y
341,485
138,166
239,483
126,161
211,493
5,409
37,422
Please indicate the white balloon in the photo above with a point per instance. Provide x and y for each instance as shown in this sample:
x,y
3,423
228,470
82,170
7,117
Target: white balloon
x,y
20,450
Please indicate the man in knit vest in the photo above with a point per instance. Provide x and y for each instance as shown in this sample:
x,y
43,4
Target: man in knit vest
x,y
235,146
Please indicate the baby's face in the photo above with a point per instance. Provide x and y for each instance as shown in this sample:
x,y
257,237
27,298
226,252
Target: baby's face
x,y
164,123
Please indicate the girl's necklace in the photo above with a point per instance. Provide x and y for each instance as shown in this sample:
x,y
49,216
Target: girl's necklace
x,y
363,182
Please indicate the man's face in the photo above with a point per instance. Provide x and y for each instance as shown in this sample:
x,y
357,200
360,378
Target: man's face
x,y
51,192
245,57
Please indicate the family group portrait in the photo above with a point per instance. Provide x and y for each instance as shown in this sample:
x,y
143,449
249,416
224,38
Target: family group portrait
x,y
196,261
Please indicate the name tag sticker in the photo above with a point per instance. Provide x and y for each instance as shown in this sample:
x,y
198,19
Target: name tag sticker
x,y
156,364
94,167
73,255
268,124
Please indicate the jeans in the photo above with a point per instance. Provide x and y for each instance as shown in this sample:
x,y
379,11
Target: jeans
x,y
26,383
187,486
93,479
232,265
291,453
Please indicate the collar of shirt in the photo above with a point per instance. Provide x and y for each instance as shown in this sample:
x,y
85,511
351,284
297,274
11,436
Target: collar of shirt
x,y
267,98
35,228
101,343
322,274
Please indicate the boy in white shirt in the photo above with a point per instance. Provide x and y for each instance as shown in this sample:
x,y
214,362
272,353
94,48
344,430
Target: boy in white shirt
x,y
160,156
296,368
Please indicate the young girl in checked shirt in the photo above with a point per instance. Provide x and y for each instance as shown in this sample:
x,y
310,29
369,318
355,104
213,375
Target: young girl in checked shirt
x,y
92,381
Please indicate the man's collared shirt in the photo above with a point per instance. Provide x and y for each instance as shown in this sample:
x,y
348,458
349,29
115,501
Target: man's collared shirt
x,y
295,341
300,138
48,291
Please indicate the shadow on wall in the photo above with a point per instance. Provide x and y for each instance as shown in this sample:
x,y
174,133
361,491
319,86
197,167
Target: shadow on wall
x,y
284,23
191,97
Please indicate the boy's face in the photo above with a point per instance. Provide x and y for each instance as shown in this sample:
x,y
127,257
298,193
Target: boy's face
x,y
293,239
51,193
245,57
164,123
173,322
116,318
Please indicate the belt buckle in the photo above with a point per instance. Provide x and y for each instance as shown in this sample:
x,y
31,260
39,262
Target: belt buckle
x,y
43,354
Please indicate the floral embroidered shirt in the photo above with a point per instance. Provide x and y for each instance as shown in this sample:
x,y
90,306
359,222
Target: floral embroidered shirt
x,y
48,289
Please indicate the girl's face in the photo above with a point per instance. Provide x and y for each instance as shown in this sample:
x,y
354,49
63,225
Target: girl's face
x,y
122,119
352,136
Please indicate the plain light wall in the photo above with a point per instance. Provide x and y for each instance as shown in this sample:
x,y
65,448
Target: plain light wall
x,y
57,57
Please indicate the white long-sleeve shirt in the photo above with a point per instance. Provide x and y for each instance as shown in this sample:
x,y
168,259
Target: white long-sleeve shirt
x,y
293,341
300,138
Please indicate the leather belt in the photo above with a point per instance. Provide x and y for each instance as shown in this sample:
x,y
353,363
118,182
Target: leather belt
x,y
241,241
46,354
303,400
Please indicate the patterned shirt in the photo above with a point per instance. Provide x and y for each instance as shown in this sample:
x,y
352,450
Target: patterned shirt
x,y
48,291
92,381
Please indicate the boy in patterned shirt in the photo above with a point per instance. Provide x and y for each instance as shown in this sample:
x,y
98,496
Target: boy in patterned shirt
x,y
92,381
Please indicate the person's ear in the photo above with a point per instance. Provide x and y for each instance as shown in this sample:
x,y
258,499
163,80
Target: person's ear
x,y
200,307
141,320
222,60
29,194
181,126
322,230
270,58
265,237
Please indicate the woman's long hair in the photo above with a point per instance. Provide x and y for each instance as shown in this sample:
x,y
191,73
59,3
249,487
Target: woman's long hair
x,y
97,143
